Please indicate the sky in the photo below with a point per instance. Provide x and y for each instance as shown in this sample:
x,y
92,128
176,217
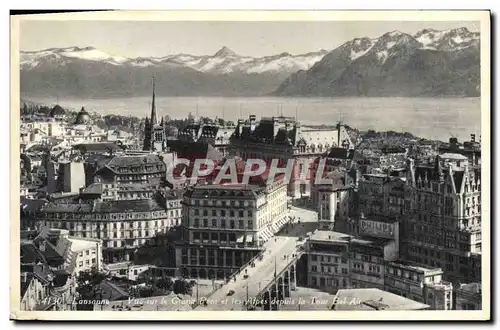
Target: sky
x,y
141,38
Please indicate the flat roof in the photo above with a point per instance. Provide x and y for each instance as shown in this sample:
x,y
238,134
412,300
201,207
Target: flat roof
x,y
379,242
455,156
328,235
374,299
414,266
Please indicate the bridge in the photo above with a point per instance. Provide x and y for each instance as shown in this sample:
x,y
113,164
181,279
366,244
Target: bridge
x,y
271,276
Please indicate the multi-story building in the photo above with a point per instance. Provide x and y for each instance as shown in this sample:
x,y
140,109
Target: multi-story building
x,y
367,258
122,225
203,134
328,261
338,261
70,177
48,277
148,169
86,251
470,149
419,283
442,222
225,225
283,138
332,201
469,297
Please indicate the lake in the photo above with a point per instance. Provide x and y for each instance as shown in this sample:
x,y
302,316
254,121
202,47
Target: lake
x,y
434,118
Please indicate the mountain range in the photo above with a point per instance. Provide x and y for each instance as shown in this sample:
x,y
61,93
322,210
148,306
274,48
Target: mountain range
x,y
430,63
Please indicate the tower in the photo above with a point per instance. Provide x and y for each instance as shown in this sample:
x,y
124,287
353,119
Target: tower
x,y
154,134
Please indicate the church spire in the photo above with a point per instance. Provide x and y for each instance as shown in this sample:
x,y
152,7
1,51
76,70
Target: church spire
x,y
154,119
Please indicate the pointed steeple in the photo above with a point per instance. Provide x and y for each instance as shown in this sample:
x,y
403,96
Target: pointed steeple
x,y
154,119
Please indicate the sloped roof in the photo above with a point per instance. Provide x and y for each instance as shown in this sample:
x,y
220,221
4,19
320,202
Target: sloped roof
x,y
57,110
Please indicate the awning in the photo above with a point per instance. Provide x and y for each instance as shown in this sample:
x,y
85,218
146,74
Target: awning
x,y
249,238
240,239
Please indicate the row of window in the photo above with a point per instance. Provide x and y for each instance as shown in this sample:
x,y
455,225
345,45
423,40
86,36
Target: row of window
x,y
87,263
222,213
222,237
106,216
223,224
329,269
87,253
336,260
222,203
115,226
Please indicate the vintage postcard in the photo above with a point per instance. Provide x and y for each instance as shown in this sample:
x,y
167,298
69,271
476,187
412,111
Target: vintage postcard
x,y
251,165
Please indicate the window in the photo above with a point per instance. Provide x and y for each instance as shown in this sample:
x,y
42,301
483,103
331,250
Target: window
x,y
240,214
214,213
196,235
314,257
250,213
214,222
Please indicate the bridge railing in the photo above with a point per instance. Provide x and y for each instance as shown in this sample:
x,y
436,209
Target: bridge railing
x,y
252,260
298,254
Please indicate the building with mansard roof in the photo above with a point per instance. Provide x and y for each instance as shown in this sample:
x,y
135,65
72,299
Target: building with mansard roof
x,y
123,225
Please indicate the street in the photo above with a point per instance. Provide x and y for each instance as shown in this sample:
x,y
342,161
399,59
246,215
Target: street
x,y
286,243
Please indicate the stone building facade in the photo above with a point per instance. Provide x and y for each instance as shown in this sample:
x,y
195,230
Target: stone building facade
x,y
122,225
225,225
284,138
442,223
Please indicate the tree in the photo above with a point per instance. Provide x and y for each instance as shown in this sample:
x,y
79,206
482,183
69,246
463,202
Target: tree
x,y
25,110
182,287
165,283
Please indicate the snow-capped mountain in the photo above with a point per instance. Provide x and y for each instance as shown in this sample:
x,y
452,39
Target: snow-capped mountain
x,y
63,55
448,40
224,61
89,72
395,64
429,63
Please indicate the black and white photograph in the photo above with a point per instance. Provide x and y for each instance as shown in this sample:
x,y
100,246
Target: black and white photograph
x,y
266,166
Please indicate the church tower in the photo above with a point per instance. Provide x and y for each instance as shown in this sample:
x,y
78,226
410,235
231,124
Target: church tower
x,y
154,137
